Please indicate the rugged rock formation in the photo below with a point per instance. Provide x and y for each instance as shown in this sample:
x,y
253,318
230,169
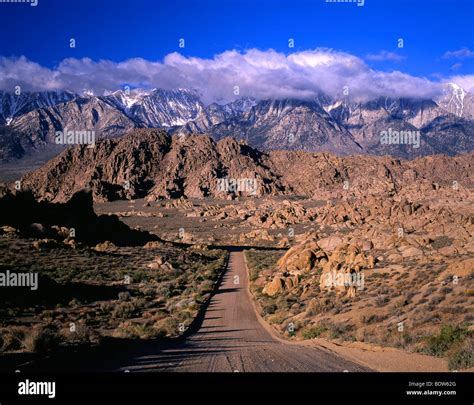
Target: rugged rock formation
x,y
339,269
153,164
149,163
288,124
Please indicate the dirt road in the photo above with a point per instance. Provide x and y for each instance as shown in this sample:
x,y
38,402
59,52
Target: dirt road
x,y
231,338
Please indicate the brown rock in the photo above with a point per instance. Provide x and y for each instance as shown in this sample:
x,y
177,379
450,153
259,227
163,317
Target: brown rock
x,y
411,252
45,244
330,243
274,287
367,245
105,246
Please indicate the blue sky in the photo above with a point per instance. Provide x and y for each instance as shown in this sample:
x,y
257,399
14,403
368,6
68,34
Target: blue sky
x,y
118,30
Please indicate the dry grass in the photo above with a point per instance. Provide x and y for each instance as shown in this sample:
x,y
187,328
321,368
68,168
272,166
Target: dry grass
x,y
83,295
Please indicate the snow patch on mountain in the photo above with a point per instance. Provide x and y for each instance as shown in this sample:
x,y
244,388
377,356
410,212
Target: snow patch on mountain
x,y
13,105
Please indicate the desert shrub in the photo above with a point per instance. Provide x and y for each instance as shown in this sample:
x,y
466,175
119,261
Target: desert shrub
x,y
131,330
327,304
81,334
206,287
453,310
185,316
383,290
381,300
429,291
215,268
469,318
403,339
167,290
126,310
446,290
400,303
436,300
167,327
372,318
277,319
441,242
449,335
312,332
338,330
124,296
40,340
283,303
258,260
313,308
269,309
74,302
253,275
422,301
361,335
378,275
106,307
12,338
462,356
148,291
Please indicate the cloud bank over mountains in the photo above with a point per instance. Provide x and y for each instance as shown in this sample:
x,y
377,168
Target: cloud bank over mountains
x,y
253,73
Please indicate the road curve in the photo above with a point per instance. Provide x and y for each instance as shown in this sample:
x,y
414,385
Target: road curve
x,y
231,339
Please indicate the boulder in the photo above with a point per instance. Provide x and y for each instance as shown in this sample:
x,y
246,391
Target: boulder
x,y
159,263
291,282
45,243
412,252
7,230
153,245
274,287
37,230
106,246
330,243
367,245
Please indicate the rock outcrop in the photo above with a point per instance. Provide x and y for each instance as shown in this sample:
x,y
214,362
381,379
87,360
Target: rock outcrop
x,y
340,269
149,163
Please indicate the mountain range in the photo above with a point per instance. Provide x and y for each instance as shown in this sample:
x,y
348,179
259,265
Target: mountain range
x,y
28,122
150,163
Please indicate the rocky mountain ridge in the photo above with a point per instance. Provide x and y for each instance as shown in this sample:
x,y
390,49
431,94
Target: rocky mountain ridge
x,y
343,127
149,163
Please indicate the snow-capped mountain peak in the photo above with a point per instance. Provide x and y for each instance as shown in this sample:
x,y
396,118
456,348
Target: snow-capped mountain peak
x,y
322,123
453,99
126,99
87,93
13,105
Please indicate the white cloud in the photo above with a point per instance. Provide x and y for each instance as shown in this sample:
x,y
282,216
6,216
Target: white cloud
x,y
259,74
463,53
385,56
466,82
